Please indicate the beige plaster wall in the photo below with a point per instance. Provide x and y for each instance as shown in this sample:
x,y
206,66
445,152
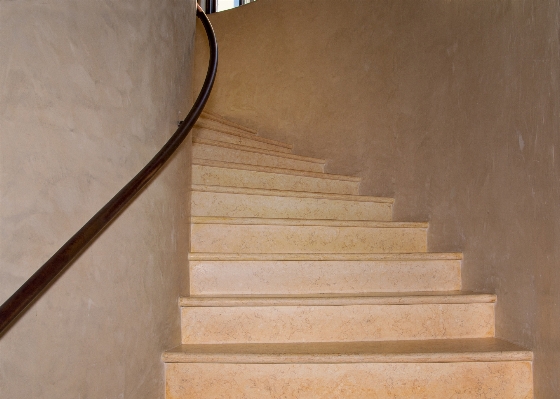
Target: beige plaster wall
x,y
89,92
452,107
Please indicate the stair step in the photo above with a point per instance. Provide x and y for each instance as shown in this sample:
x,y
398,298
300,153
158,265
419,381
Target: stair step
x,y
336,318
215,173
206,122
253,235
472,368
227,152
226,123
326,257
287,193
413,351
505,380
405,298
306,222
201,131
222,275
208,202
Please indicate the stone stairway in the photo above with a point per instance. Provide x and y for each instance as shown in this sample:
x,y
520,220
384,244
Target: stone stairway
x,y
300,288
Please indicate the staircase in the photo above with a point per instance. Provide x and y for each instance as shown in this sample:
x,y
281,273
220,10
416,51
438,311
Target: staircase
x,y
301,288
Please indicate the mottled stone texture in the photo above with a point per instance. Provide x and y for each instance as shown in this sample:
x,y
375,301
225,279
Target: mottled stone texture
x,y
339,323
89,91
236,238
213,173
210,277
230,204
320,381
452,107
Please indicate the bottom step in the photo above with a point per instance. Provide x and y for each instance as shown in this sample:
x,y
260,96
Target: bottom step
x,y
469,368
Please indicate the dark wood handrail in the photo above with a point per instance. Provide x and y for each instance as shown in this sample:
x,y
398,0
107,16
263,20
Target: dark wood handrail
x,y
43,278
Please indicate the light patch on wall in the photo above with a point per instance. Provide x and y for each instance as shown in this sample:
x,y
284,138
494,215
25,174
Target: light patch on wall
x,y
521,141
452,49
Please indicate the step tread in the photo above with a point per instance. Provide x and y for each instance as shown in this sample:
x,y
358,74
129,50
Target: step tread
x,y
422,351
304,222
285,193
270,169
249,136
221,119
382,298
258,150
419,256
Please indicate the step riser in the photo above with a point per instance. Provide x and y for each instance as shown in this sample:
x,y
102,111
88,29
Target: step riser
x,y
315,277
511,380
276,324
204,151
216,176
213,124
203,133
226,238
262,206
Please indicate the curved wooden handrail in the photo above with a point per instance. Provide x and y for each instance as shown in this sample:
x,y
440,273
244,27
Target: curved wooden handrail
x,y
42,278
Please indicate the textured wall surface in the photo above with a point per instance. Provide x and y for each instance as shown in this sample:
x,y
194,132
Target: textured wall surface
x,y
89,92
452,107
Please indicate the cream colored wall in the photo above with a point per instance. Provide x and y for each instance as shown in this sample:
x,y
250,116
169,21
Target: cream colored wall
x,y
452,107
89,91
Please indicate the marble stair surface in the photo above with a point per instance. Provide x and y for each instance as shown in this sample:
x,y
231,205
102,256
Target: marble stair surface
x,y
212,119
356,317
226,152
301,288
309,274
278,204
219,173
211,129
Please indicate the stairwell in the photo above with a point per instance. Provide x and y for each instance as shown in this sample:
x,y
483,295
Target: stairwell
x,y
301,288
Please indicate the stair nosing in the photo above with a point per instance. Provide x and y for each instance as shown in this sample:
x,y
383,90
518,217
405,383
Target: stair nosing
x,y
248,136
263,151
305,222
274,170
418,256
287,353
287,193
397,299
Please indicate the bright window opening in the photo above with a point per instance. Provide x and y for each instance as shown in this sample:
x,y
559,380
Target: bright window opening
x,y
223,5
227,4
